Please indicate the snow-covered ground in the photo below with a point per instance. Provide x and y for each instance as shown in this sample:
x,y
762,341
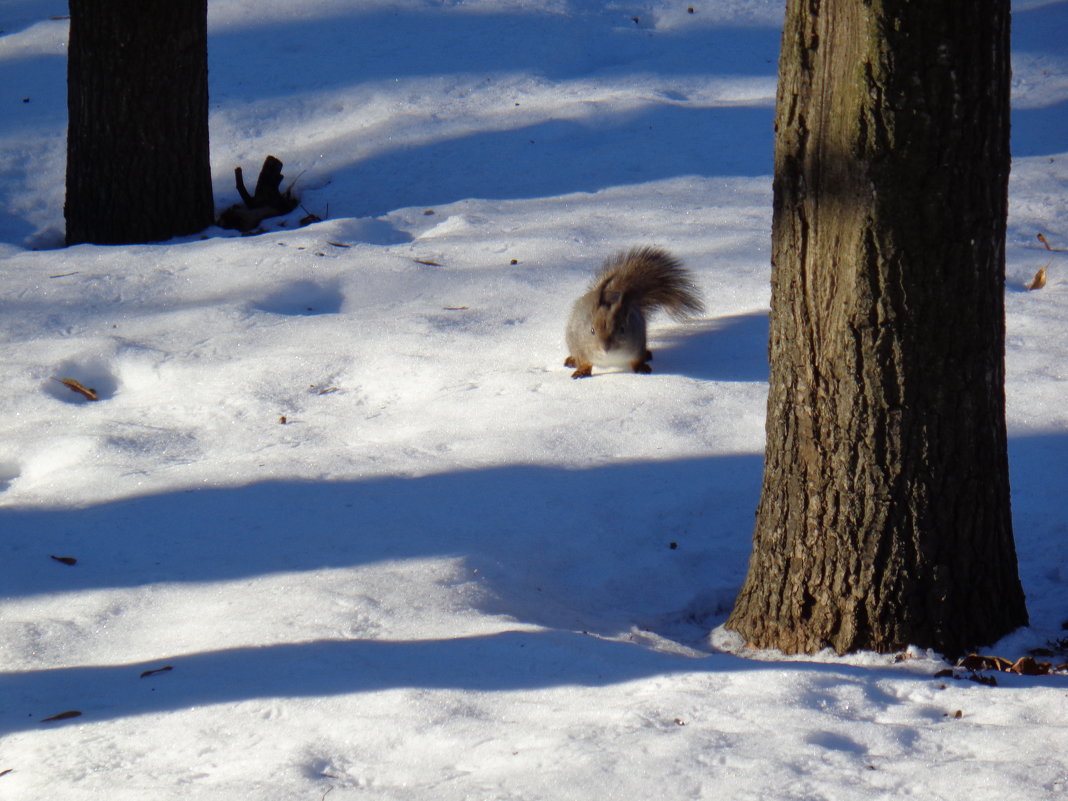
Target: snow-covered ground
x,y
340,492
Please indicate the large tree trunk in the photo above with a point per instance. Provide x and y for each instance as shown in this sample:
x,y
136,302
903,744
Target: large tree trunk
x,y
884,518
137,137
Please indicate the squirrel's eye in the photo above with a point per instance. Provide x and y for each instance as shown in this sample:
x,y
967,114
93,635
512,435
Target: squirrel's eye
x,y
593,331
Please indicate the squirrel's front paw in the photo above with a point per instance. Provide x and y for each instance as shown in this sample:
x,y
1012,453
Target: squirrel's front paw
x,y
641,367
570,362
583,371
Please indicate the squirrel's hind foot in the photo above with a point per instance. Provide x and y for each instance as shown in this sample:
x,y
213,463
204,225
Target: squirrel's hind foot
x,y
583,371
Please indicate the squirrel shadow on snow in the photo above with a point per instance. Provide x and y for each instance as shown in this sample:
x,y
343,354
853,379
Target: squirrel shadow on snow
x,y
721,349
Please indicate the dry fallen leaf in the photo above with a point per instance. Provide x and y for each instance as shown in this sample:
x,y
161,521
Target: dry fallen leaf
x,y
1025,666
979,662
1029,666
156,671
67,560
77,386
1039,280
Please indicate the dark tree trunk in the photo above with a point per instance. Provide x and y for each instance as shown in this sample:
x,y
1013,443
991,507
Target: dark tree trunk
x,y
884,518
137,136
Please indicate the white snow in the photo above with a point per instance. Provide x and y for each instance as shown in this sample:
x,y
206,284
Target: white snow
x,y
452,572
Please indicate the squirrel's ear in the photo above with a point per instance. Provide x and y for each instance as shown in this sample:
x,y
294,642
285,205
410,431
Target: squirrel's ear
x,y
610,297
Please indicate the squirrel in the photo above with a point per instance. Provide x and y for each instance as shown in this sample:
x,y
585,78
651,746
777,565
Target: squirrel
x,y
607,324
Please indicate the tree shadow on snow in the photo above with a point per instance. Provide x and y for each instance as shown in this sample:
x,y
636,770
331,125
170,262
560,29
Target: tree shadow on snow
x,y
586,528
364,45
568,550
511,660
572,551
558,157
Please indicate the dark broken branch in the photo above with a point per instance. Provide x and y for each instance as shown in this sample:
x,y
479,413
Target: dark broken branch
x,y
268,201
268,192
239,178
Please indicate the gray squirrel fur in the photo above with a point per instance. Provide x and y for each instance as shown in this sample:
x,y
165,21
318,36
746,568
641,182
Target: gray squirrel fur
x,y
607,324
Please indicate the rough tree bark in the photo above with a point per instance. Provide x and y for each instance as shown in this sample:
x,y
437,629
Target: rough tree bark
x,y
138,166
884,518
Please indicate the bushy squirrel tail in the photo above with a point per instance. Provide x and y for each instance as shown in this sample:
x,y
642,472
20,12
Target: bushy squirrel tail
x,y
650,278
